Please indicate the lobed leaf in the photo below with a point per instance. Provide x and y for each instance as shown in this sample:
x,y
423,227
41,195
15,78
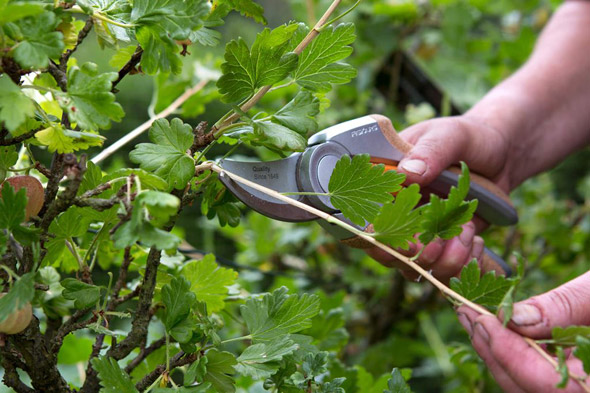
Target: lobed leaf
x,y
443,218
278,314
299,113
209,282
220,366
112,378
398,222
358,188
20,294
397,383
262,360
319,64
84,295
487,290
266,63
38,40
89,100
15,107
166,157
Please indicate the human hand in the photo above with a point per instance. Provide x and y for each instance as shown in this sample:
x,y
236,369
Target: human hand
x,y
514,364
438,144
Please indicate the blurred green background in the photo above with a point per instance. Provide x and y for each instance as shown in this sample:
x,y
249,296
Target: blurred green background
x,y
372,317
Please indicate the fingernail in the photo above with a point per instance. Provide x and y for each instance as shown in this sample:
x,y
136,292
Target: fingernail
x,y
477,248
526,314
466,323
481,331
466,235
417,167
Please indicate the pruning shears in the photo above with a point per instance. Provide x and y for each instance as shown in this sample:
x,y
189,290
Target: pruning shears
x,y
309,172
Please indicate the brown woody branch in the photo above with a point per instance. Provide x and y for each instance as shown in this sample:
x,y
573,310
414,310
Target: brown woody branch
x,y
177,360
128,67
18,139
63,61
144,353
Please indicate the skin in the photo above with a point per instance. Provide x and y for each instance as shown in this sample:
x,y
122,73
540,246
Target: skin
x,y
524,126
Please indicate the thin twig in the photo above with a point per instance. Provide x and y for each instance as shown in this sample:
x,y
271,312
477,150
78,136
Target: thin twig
x,y
143,127
18,139
442,287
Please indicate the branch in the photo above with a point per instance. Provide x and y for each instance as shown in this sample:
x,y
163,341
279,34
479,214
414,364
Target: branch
x,y
56,173
63,61
58,74
71,325
74,172
139,327
178,360
417,268
144,353
97,204
128,67
12,379
143,127
18,139
313,33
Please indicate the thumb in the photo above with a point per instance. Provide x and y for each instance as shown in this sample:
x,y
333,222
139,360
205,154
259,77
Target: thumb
x,y
564,306
437,144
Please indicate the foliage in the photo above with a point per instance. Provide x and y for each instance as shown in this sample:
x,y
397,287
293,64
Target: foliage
x,y
266,306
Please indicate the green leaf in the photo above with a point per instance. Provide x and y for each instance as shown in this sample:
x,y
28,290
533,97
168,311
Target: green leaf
x,y
160,52
177,18
84,295
92,178
20,294
148,180
160,206
266,63
562,368
358,188
178,299
567,336
582,352
487,290
314,364
397,383
298,114
112,378
61,140
262,360
39,42
12,214
8,157
278,314
14,10
397,222
443,218
205,36
209,282
71,223
219,365
15,107
166,156
196,371
319,65
247,8
89,101
272,136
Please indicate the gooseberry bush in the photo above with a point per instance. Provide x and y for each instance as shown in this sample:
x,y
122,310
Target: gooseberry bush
x,y
94,269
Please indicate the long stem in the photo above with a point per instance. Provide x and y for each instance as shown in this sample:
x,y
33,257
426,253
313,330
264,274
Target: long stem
x,y
439,285
143,127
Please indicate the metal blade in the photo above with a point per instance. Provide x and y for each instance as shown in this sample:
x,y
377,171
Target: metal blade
x,y
280,176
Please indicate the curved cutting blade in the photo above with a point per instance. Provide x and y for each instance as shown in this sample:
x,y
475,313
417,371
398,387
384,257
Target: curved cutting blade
x,y
278,175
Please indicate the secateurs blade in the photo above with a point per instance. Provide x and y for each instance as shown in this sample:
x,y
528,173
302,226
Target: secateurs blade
x,y
310,171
